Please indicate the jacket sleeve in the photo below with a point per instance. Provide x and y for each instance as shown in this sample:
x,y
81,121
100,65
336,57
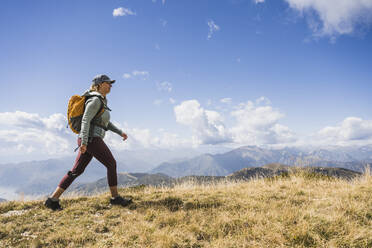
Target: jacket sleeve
x,y
114,129
92,106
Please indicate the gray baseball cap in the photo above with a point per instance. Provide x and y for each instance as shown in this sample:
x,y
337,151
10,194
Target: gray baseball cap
x,y
102,78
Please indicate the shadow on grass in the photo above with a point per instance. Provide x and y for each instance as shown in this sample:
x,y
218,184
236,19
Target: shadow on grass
x,y
175,203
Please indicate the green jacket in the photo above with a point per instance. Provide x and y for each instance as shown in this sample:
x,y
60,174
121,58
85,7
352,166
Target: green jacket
x,y
92,106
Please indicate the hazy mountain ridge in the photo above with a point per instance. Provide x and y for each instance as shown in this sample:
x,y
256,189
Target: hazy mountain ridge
x,y
252,156
41,177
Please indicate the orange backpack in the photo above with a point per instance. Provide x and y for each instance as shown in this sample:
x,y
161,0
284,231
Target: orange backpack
x,y
75,112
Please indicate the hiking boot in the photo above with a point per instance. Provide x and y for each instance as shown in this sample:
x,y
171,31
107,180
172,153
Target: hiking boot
x,y
120,201
53,205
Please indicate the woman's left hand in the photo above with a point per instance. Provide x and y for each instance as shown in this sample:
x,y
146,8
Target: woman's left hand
x,y
124,135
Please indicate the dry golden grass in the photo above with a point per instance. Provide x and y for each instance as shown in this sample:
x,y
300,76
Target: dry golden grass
x,y
295,211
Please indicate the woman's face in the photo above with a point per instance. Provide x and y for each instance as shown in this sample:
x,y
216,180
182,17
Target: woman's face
x,y
105,87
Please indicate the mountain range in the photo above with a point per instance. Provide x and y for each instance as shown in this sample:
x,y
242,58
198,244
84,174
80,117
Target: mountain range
x,y
252,156
41,177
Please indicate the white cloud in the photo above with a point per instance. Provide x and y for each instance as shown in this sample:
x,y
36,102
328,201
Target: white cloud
x,y
259,1
25,120
127,75
207,126
226,100
122,12
26,133
255,124
164,86
141,73
144,138
212,28
259,125
334,17
263,100
172,101
39,137
144,75
351,130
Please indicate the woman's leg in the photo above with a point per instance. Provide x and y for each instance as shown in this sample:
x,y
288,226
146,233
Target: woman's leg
x,y
81,162
57,193
114,191
102,153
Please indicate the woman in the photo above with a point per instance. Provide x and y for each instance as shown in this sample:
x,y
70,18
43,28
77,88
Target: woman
x,y
91,144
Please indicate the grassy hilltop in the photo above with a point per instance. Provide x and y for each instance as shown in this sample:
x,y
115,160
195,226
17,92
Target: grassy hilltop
x,y
298,210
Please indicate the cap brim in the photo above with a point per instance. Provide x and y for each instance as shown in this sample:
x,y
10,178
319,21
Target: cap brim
x,y
112,81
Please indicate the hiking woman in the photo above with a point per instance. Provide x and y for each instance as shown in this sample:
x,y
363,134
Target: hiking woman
x,y
95,123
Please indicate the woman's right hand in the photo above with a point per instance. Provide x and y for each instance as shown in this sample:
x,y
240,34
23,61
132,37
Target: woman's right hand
x,y
83,149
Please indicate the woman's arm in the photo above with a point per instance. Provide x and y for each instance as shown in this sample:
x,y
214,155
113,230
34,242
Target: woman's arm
x,y
92,106
114,129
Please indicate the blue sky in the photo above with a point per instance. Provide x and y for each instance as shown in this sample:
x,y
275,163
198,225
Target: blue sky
x,y
189,73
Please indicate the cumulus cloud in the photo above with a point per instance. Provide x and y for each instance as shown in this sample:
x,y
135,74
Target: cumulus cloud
x,y
25,133
122,12
351,130
212,28
207,126
258,1
334,17
145,138
255,124
34,136
259,125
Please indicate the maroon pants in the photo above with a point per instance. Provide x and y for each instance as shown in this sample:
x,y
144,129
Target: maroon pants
x,y
98,149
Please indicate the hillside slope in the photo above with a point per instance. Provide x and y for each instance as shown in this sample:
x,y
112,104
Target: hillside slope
x,y
299,210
